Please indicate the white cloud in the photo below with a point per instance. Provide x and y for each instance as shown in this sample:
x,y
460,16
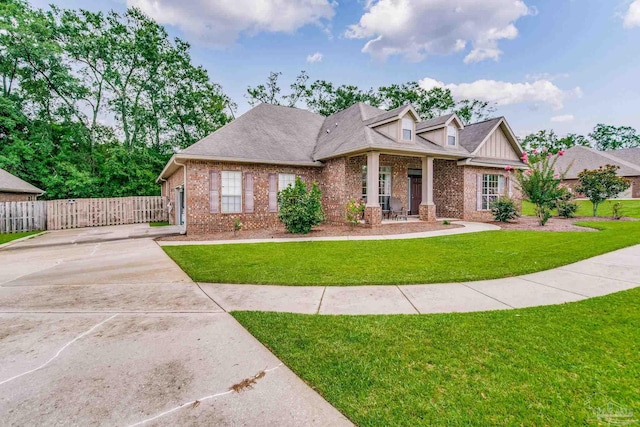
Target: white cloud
x,y
507,93
632,17
563,118
417,28
316,57
220,22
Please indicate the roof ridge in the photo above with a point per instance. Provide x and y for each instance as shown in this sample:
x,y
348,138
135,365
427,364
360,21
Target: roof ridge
x,y
614,158
485,121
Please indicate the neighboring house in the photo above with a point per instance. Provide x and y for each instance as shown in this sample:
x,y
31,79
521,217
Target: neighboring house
x,y
578,158
437,168
13,189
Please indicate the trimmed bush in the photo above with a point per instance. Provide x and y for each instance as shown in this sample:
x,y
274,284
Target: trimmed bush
x,y
300,209
504,209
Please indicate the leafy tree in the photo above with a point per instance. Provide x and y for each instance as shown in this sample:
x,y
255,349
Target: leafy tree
x,y
601,184
94,104
326,99
607,137
540,183
269,93
300,209
547,140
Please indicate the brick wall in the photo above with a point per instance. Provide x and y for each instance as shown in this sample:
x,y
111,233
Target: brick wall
x,y
17,197
169,191
199,218
448,188
471,212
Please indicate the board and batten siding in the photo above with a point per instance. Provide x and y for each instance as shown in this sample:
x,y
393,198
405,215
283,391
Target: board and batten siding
x,y
390,130
437,136
498,146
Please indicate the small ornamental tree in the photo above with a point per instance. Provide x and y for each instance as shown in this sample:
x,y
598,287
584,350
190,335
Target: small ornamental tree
x,y
601,184
540,184
300,209
354,209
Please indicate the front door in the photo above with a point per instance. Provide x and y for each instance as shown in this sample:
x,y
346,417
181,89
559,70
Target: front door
x,y
415,184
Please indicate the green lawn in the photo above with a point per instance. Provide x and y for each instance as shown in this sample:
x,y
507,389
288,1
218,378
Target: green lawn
x,y
444,259
159,224
630,208
5,238
543,366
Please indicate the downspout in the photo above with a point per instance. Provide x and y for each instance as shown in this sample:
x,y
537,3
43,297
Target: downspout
x,y
184,168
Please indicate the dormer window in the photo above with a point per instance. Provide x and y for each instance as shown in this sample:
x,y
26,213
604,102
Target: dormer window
x,y
407,129
452,136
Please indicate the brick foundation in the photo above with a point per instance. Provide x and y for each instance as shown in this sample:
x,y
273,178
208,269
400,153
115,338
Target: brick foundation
x,y
373,216
428,213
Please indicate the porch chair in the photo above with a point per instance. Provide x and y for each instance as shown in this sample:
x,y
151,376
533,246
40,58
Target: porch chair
x,y
397,210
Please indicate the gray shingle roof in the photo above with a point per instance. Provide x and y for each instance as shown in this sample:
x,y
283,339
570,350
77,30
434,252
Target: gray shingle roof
x,y
386,115
631,155
472,135
276,134
12,184
266,133
436,121
578,158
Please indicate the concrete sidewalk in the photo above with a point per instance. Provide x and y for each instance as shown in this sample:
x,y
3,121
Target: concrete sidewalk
x,y
467,227
601,275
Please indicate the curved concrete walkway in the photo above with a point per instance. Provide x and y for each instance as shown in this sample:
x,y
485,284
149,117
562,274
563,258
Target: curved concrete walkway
x,y
467,227
601,275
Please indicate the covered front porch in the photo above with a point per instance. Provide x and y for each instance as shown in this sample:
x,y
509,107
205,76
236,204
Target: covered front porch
x,y
391,182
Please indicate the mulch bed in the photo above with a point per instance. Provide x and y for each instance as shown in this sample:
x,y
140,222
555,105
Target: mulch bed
x,y
554,224
323,230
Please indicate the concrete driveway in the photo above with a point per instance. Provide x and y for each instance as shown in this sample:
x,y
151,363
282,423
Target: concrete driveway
x,y
97,328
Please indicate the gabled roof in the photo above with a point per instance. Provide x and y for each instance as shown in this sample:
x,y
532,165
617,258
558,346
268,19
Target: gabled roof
x,y
396,113
434,122
631,155
578,158
273,134
265,134
473,135
12,184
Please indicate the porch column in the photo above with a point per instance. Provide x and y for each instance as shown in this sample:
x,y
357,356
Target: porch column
x,y
427,207
372,210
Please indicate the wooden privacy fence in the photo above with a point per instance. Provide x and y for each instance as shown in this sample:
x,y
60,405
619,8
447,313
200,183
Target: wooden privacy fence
x,y
22,216
76,213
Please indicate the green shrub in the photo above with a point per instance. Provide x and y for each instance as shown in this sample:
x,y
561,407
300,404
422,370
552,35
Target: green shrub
x,y
565,205
504,209
355,209
300,209
616,210
446,222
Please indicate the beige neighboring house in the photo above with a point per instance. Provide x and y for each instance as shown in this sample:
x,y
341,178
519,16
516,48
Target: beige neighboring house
x,y
578,158
437,168
14,189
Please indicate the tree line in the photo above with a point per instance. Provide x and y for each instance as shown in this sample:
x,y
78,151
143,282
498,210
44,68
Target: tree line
x,y
94,104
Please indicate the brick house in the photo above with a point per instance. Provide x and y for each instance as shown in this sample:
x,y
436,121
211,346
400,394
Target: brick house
x,y
578,158
437,167
13,189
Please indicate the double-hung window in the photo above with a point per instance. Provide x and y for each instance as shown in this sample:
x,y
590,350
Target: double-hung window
x,y
407,129
286,179
231,190
492,189
452,135
384,185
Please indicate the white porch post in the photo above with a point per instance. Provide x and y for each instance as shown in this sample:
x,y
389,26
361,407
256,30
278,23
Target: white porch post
x,y
427,207
373,178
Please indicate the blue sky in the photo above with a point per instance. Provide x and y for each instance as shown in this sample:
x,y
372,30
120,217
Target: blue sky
x,y
561,64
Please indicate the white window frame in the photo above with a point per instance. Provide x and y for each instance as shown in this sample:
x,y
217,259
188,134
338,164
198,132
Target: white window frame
x,y
286,179
406,124
384,185
493,186
452,131
231,192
